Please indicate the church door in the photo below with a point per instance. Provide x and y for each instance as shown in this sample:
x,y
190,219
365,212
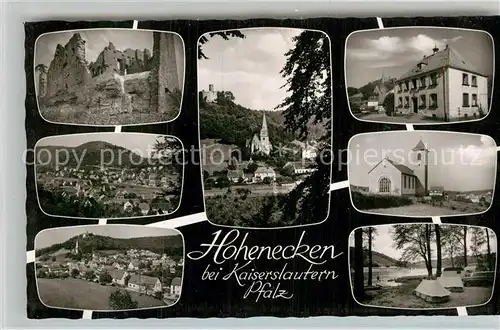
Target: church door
x,y
384,185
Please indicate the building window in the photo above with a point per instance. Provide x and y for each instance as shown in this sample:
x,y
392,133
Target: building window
x,y
422,82
400,102
423,100
400,87
384,185
433,101
414,83
474,81
433,79
474,100
465,100
404,181
465,79
407,85
407,101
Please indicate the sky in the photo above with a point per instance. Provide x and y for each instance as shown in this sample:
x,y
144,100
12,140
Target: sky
x,y
58,235
250,67
96,40
383,242
137,142
459,162
393,52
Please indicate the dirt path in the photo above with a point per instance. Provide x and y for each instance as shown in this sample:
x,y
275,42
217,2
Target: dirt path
x,y
421,210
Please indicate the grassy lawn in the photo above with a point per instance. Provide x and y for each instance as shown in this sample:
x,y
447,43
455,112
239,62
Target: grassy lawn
x,y
402,296
80,294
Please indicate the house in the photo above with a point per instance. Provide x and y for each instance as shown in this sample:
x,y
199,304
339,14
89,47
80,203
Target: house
x,y
133,265
143,283
118,265
120,195
119,276
128,206
235,175
372,102
300,167
176,286
389,177
442,85
264,172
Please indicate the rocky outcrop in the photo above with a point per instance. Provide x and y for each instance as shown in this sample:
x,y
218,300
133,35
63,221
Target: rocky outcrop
x,y
68,70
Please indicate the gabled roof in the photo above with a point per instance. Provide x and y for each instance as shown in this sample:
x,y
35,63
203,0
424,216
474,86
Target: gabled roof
x,y
420,146
448,57
400,167
117,274
143,280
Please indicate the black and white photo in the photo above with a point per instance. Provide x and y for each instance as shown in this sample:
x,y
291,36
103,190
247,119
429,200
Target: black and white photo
x,y
106,77
422,265
422,173
109,267
109,175
418,75
265,126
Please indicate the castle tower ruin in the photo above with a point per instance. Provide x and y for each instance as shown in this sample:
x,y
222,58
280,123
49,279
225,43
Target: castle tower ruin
x,y
69,68
163,78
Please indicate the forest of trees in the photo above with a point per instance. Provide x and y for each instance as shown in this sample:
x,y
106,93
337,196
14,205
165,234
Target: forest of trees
x,y
447,245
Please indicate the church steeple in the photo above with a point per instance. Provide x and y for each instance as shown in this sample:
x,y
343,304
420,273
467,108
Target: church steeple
x,y
263,130
422,165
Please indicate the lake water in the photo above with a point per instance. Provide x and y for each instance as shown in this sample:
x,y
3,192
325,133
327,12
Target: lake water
x,y
386,274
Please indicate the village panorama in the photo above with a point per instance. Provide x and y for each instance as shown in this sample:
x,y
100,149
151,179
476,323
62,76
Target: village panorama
x,y
109,175
113,267
263,161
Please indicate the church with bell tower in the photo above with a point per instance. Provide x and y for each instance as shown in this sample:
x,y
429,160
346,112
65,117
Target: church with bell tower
x,y
260,142
410,178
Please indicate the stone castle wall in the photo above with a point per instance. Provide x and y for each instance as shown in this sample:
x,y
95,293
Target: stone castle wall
x,y
112,60
164,79
68,69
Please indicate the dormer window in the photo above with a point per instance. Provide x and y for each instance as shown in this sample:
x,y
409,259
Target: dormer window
x,y
420,66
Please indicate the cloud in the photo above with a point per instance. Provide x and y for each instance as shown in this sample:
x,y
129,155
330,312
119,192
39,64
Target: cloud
x,y
389,51
249,68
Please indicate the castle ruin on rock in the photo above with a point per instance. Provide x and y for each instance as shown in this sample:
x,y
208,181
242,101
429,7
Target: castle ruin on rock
x,y
119,87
